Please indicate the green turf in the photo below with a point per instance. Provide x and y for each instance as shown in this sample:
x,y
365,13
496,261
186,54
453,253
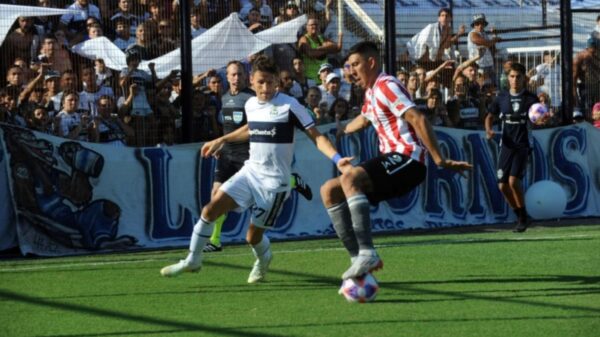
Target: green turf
x,y
545,282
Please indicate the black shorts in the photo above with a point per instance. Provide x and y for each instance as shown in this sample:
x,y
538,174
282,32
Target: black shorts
x,y
511,162
393,175
226,168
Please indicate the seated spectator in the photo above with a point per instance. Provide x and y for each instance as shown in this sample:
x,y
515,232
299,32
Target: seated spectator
x,y
123,38
107,126
596,115
314,48
75,23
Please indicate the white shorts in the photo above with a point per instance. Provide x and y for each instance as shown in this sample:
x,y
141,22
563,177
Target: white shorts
x,y
246,190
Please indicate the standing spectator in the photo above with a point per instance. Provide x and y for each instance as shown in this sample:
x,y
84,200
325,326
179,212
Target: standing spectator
x,y
53,54
165,42
477,40
124,12
324,70
51,87
290,12
15,78
314,48
39,120
402,76
23,41
596,32
72,124
332,84
104,76
91,93
313,100
413,84
197,23
143,43
463,110
547,77
166,114
433,43
264,10
512,107
596,115
253,21
434,110
75,23
586,77
123,38
107,127
299,71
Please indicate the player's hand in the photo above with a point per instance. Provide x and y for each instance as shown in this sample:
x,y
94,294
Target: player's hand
x,y
459,166
212,148
345,164
489,134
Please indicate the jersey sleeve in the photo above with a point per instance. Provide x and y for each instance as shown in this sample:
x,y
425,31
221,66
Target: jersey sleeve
x,y
304,118
494,108
395,97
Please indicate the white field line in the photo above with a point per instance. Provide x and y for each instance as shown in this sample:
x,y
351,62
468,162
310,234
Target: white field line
x,y
68,265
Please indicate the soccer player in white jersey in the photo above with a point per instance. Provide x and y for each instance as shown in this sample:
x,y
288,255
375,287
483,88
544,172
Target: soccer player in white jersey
x,y
263,183
404,136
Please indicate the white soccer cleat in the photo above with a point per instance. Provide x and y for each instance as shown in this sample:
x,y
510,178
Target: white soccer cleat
x,y
260,268
180,267
365,262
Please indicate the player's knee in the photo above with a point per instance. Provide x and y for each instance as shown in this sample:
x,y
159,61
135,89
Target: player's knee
x,y
209,212
331,192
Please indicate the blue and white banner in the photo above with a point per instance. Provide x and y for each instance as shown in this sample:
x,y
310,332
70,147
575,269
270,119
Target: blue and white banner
x,y
74,197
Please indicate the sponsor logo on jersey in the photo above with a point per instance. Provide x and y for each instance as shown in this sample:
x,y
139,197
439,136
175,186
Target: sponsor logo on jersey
x,y
268,132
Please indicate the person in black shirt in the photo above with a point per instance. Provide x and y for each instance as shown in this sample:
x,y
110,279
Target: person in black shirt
x,y
512,107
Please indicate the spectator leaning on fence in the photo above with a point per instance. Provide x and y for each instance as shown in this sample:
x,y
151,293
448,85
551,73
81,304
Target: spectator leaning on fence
x,y
314,48
586,77
477,40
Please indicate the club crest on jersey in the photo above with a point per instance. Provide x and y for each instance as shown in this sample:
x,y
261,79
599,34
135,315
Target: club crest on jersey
x,y
516,106
500,174
399,105
238,117
274,111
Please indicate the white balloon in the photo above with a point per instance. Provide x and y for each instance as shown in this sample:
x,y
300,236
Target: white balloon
x,y
545,199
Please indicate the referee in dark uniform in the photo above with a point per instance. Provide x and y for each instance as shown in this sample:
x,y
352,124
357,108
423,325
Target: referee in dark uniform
x,y
511,107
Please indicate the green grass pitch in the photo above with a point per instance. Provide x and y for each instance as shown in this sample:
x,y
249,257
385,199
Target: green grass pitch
x,y
487,282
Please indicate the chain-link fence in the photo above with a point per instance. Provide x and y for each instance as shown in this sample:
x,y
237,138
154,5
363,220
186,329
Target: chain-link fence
x,y
121,60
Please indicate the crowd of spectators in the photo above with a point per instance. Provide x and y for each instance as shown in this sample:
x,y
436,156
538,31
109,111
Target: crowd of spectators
x,y
49,88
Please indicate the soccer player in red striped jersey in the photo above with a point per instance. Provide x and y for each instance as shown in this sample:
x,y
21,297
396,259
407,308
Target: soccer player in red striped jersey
x,y
404,136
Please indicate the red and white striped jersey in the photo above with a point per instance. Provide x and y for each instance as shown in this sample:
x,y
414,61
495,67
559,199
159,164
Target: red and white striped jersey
x,y
384,105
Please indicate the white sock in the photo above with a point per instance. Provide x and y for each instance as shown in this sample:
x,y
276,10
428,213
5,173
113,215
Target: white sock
x,y
261,248
200,235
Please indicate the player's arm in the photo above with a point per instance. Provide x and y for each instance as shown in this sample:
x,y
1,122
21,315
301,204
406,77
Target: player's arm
x,y
425,132
325,146
489,120
213,147
358,123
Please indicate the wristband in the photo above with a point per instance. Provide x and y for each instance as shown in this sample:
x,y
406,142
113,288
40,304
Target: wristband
x,y
336,158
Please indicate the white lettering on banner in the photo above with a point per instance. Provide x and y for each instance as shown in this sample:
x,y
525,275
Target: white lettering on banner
x,y
115,211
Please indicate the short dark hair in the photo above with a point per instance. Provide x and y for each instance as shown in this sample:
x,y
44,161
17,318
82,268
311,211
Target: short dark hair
x,y
518,67
365,48
265,64
445,9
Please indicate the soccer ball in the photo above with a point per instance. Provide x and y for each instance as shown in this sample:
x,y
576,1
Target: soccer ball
x,y
545,200
361,289
537,113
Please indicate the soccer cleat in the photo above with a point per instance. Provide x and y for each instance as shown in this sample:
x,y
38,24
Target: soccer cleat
x,y
302,187
521,226
210,248
260,268
364,263
180,267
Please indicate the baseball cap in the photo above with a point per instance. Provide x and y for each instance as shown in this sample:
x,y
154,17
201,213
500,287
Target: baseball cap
x,y
331,77
577,114
325,66
51,74
290,4
479,18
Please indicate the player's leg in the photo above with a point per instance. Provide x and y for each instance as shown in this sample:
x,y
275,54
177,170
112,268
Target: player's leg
x,y
505,167
335,203
220,204
214,243
519,165
268,206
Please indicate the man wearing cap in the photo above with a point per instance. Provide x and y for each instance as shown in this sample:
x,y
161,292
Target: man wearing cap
x,y
478,42
332,84
586,76
324,70
314,48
